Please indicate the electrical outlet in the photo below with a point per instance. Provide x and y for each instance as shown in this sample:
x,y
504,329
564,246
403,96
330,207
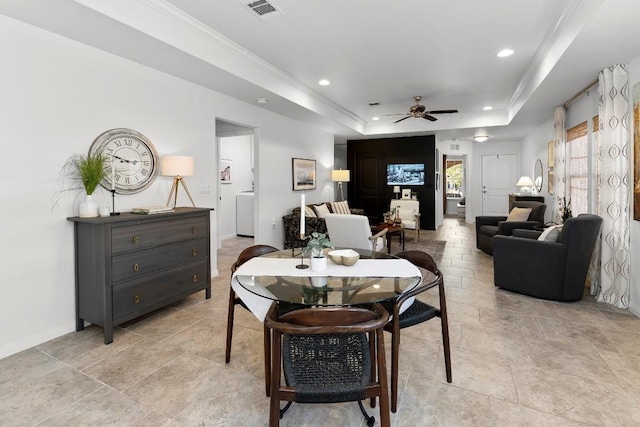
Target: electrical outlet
x,y
205,189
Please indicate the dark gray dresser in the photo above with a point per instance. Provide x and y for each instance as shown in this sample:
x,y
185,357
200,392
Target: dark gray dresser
x,y
129,265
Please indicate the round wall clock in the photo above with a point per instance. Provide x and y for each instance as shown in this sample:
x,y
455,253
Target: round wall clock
x,y
131,158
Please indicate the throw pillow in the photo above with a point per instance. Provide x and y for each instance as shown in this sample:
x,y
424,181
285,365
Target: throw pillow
x,y
340,207
321,210
519,214
407,214
551,234
308,211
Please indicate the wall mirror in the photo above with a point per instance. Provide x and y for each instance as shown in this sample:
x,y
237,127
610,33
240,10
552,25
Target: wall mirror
x,y
537,176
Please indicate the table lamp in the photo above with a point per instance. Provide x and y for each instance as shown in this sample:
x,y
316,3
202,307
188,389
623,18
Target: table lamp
x,y
340,176
177,167
525,184
396,191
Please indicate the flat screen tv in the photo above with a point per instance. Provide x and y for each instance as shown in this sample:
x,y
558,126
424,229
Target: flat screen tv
x,y
405,174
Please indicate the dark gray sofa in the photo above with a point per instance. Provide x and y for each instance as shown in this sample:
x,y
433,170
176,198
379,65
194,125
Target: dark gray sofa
x,y
489,226
549,270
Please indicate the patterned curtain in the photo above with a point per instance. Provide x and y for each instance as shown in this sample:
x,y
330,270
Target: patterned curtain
x,y
614,139
559,149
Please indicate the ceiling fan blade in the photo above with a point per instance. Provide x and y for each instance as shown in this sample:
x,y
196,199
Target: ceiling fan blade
x,y
404,118
442,111
428,117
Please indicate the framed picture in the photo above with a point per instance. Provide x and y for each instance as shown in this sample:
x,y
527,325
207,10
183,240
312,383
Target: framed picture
x,y
225,171
437,160
303,174
406,193
551,154
636,152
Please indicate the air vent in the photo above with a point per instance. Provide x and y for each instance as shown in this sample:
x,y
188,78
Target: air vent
x,y
263,9
454,147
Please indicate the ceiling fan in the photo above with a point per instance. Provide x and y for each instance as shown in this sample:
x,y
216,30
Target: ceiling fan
x,y
420,111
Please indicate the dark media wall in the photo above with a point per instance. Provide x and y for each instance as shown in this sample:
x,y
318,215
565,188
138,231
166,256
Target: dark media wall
x,y
367,159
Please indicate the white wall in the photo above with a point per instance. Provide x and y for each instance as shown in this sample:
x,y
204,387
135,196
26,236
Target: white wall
x,y
58,95
534,147
238,149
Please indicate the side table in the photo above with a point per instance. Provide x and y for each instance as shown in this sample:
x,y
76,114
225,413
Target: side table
x,y
393,230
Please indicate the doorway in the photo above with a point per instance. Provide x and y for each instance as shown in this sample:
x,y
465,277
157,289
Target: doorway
x,y
237,201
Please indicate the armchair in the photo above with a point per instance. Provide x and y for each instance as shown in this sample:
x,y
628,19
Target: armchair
x,y
489,226
354,231
409,213
546,269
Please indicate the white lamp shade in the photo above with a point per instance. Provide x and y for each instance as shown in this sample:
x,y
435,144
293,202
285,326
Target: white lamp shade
x,y
177,165
396,188
340,175
524,181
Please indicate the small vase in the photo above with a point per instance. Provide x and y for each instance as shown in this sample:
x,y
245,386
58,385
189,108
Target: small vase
x,y
318,263
88,207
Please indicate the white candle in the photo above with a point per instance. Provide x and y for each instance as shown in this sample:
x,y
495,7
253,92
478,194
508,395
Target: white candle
x,y
302,215
113,175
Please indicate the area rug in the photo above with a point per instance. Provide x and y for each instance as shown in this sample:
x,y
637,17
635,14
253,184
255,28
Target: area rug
x,y
435,248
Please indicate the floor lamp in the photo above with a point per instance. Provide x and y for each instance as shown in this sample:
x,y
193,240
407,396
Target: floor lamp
x,y
177,167
340,176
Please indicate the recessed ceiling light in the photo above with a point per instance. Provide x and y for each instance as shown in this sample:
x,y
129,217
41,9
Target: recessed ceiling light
x,y
504,53
487,108
480,138
261,100
324,82
375,118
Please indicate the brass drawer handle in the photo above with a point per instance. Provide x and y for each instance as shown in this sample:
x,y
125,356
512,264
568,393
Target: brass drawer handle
x,y
194,252
193,229
194,278
136,267
135,240
136,299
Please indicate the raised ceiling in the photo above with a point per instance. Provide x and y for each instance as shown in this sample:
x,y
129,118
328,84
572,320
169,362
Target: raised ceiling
x,y
372,51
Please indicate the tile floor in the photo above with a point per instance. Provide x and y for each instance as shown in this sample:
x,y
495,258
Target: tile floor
x,y
517,361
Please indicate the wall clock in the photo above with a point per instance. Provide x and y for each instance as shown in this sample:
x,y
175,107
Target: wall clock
x,y
131,158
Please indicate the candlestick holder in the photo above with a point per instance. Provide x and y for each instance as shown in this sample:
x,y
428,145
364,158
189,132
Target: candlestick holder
x,y
113,203
302,265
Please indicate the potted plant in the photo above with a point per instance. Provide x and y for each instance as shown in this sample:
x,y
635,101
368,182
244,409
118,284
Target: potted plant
x,y
565,209
315,246
88,170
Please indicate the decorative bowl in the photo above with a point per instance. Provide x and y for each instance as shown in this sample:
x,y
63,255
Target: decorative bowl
x,y
344,256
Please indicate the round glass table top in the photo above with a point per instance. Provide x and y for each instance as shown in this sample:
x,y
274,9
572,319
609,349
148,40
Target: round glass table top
x,y
315,289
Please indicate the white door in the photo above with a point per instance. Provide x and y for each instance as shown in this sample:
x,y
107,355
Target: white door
x,y
499,177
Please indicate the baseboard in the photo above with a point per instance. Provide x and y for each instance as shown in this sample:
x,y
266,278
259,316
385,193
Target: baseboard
x,y
34,340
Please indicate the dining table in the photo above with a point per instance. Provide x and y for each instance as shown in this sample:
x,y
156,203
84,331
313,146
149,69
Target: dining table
x,y
276,277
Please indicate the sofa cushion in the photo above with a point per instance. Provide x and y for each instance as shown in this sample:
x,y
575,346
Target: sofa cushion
x,y
488,230
308,211
340,207
519,214
321,210
550,234
407,214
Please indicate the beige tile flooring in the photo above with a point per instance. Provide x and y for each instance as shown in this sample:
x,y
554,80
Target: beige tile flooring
x,y
517,361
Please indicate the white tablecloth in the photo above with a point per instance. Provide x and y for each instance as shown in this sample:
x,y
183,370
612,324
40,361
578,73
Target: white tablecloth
x,y
265,266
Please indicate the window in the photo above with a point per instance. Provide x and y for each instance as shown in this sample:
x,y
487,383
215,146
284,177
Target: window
x,y
577,168
454,173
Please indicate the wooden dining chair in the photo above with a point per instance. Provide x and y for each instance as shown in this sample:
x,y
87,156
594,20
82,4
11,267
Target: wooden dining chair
x,y
327,358
246,255
418,312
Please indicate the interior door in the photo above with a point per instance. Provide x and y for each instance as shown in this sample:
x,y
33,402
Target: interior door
x,y
499,176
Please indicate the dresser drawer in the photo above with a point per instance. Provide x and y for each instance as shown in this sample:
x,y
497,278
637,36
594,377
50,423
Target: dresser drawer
x,y
131,265
154,233
133,297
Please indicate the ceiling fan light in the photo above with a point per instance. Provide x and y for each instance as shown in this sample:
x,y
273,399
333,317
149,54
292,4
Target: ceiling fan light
x,y
480,138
